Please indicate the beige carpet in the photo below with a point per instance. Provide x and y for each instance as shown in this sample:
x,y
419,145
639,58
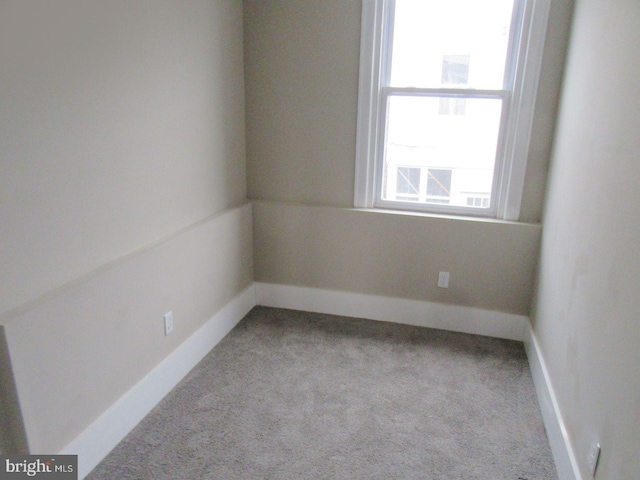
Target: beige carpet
x,y
294,395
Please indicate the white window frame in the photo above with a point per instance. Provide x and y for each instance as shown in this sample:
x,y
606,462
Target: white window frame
x,y
519,100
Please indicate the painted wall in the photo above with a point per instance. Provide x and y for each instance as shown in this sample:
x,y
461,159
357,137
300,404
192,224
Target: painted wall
x,y
301,64
121,196
587,309
373,253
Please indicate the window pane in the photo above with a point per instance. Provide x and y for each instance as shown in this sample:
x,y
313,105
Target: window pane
x,y
455,69
449,43
438,185
454,153
408,184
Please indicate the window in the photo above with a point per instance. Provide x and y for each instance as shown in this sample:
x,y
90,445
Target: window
x,y
478,201
414,184
408,184
455,71
447,89
438,185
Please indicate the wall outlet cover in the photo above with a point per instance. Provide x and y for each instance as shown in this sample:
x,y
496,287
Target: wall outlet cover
x,y
168,323
443,279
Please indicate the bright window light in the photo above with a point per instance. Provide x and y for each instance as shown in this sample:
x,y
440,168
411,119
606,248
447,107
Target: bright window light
x,y
443,91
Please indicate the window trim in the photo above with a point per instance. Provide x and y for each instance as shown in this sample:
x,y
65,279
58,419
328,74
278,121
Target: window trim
x,y
512,160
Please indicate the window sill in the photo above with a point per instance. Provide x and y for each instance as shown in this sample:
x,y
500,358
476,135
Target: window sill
x,y
442,216
391,212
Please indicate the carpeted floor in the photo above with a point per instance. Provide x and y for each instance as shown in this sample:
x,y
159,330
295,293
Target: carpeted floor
x,y
294,395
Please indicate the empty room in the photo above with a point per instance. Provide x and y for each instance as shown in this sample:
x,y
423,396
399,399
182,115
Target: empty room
x,y
323,239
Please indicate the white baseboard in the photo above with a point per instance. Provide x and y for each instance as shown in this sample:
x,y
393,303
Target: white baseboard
x,y
411,312
112,426
559,440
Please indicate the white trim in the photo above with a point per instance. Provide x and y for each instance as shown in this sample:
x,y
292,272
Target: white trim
x,y
411,312
369,84
511,161
524,99
113,425
559,439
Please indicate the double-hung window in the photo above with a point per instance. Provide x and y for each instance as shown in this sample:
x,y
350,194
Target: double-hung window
x,y
447,90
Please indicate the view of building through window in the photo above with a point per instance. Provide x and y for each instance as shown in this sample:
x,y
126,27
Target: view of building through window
x,y
455,71
441,136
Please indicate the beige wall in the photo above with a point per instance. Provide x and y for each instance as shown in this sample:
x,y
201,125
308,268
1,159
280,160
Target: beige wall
x,y
103,335
396,255
588,309
123,175
301,63
121,123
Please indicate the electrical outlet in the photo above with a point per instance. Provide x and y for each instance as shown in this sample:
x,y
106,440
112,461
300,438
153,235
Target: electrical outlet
x,y
168,323
593,457
443,279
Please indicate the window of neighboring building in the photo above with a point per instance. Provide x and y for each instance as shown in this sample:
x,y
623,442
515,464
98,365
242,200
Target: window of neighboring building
x,y
478,201
438,186
407,184
447,90
455,71
414,184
